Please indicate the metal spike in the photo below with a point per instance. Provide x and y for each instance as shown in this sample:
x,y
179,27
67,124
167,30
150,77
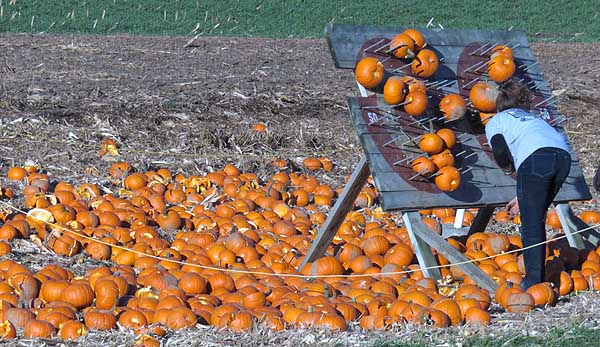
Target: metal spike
x,y
394,49
434,83
545,100
474,65
472,81
378,50
483,65
417,175
401,67
460,153
392,140
515,46
530,66
375,44
446,84
408,136
407,159
470,155
489,49
480,48
466,170
412,139
418,121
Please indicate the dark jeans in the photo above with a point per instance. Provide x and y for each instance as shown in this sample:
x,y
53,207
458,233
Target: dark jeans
x,y
539,178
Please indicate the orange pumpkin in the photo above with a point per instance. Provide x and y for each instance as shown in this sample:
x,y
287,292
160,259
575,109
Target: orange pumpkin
x,y
431,143
453,106
443,159
483,96
501,68
414,84
502,50
590,217
403,46
16,173
415,103
448,136
448,179
417,38
425,63
394,90
424,166
369,72
485,117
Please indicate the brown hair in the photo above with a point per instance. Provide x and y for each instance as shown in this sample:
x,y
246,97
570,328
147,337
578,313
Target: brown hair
x,y
513,94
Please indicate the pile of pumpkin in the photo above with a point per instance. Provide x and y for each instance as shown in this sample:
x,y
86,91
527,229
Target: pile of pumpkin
x,y
225,249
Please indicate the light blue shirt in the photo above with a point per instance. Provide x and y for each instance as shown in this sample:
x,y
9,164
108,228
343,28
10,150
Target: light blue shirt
x,y
524,132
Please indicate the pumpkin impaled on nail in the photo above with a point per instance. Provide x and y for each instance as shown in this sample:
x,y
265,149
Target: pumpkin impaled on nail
x,y
415,103
369,72
423,166
453,106
425,63
394,90
483,96
501,68
431,143
403,46
448,179
417,38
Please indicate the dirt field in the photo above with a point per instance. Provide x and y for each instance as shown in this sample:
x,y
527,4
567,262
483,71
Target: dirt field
x,y
190,109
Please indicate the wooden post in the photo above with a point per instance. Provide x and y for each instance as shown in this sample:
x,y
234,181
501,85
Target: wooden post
x,y
412,221
454,256
571,223
481,219
342,206
459,218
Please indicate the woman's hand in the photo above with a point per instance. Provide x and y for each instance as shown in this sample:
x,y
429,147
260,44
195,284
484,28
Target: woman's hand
x,y
513,207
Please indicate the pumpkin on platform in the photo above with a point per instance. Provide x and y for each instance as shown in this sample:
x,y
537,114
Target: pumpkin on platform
x,y
369,72
483,96
425,63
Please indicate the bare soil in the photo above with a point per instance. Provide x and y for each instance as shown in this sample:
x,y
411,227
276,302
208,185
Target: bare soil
x,y
190,108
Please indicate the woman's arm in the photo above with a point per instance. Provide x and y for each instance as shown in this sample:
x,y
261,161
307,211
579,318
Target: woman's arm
x,y
502,154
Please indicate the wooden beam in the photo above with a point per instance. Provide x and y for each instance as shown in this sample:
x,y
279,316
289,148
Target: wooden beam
x,y
342,206
454,256
427,261
571,223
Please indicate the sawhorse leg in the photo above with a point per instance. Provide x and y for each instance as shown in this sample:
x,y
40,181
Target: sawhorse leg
x,y
421,237
571,223
340,209
427,239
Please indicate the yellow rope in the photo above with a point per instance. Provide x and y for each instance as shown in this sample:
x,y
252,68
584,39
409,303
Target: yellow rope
x,y
295,275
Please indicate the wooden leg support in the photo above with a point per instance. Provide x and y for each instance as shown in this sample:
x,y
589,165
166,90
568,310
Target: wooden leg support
x,y
571,223
342,206
422,234
412,221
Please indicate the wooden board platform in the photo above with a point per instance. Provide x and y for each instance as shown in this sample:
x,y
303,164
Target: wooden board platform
x,y
388,135
388,148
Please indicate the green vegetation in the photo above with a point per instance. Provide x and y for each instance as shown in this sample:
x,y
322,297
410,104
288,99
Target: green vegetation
x,y
569,336
542,21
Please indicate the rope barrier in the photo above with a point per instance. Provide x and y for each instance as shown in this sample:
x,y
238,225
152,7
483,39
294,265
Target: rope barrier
x,y
294,275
